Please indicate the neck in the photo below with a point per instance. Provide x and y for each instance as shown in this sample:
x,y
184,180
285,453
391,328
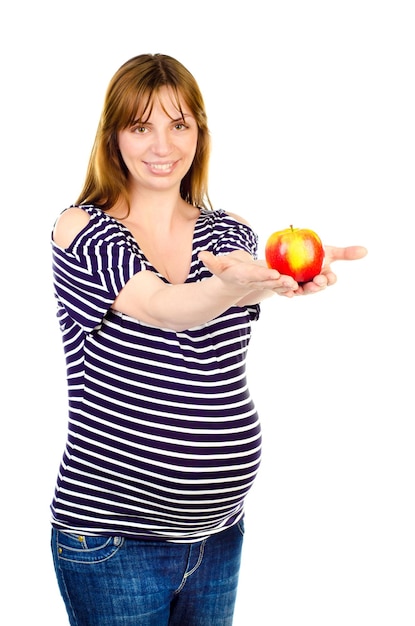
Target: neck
x,y
155,211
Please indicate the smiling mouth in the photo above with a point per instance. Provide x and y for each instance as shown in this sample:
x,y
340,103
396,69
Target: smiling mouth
x,y
161,167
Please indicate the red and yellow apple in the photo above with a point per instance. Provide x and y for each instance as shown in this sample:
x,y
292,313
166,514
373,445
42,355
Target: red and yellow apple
x,y
295,252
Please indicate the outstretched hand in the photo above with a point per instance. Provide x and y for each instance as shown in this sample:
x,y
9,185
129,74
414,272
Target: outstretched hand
x,y
240,273
238,269
327,277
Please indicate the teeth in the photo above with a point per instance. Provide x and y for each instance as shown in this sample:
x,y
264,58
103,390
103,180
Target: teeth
x,y
161,166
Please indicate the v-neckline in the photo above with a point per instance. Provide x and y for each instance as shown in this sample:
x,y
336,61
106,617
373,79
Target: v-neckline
x,y
130,235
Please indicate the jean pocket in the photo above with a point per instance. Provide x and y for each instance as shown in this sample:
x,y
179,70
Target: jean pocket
x,y
79,548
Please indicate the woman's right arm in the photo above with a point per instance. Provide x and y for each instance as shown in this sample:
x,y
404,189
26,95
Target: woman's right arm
x,y
181,306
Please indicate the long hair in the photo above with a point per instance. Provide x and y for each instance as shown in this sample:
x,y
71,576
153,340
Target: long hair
x,y
133,88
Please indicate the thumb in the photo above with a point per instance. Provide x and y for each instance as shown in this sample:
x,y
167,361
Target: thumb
x,y
205,257
215,264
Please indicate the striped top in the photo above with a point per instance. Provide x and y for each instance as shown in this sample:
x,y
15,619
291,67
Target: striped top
x,y
163,437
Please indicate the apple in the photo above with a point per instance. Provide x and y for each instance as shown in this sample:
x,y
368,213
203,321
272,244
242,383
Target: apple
x,y
295,252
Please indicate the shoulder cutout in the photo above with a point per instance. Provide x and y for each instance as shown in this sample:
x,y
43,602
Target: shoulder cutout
x,y
68,225
238,218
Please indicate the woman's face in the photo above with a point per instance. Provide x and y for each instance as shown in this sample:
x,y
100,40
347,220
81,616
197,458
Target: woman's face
x,y
159,152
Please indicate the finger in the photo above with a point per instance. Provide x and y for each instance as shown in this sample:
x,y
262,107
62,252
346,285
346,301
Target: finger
x,y
286,294
321,280
318,283
277,286
349,253
352,253
326,278
308,288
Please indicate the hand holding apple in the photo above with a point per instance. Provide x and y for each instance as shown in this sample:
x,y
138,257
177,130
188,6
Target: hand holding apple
x,y
295,252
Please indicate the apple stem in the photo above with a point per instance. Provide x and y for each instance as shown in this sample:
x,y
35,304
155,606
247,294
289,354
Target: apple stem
x,y
291,226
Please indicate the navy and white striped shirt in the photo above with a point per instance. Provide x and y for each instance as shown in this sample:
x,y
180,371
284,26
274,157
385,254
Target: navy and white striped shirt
x,y
163,439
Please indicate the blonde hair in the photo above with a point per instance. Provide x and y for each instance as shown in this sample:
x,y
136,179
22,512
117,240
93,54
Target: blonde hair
x,y
133,88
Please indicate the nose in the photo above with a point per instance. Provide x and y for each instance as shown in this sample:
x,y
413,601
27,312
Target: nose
x,y
162,142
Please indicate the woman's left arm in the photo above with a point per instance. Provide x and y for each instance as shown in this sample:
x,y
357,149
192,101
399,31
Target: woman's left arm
x,y
325,279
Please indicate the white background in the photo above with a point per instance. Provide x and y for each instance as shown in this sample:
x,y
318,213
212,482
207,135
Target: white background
x,y
311,109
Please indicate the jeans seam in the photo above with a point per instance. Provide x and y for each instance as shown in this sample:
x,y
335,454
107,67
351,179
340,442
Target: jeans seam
x,y
196,566
63,588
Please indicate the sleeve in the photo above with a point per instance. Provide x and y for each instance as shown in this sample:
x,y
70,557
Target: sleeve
x,y
90,273
235,235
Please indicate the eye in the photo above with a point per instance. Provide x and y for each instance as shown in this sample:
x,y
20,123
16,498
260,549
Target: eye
x,y
139,130
180,126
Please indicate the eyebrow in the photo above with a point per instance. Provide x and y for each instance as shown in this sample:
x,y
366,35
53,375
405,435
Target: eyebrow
x,y
174,120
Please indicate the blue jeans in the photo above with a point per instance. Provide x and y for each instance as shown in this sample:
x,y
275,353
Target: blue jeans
x,y
114,581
